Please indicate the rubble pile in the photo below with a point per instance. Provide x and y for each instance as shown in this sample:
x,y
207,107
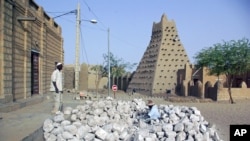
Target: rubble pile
x,y
112,120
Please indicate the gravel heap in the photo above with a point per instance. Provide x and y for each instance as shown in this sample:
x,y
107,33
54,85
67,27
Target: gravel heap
x,y
113,120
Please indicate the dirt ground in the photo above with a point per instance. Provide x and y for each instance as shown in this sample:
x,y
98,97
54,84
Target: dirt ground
x,y
222,114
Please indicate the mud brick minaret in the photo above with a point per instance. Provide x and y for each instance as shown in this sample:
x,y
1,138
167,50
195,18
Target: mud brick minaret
x,y
165,55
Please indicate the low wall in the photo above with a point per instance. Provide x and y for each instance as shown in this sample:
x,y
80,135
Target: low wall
x,y
237,93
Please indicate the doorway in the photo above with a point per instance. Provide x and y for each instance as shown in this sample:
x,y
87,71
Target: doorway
x,y
34,73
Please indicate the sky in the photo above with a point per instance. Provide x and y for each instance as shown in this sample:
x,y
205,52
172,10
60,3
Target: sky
x,y
199,23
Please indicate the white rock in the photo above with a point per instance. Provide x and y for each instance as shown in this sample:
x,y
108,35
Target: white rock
x,y
57,131
59,118
65,122
149,139
48,125
188,126
111,137
143,133
123,135
167,127
46,135
178,127
181,136
77,124
203,128
194,118
138,137
71,129
170,134
73,117
67,135
160,134
101,134
198,137
98,111
170,139
118,127
59,137
74,111
111,120
89,136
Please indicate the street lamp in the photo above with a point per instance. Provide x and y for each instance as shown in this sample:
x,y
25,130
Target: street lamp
x,y
93,21
77,48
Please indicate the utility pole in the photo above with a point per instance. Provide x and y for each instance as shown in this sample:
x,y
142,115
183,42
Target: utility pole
x,y
77,68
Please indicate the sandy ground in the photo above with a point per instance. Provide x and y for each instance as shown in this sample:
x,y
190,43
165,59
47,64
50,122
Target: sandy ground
x,y
222,114
20,123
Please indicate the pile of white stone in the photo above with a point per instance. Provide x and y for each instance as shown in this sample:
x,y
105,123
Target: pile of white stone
x,y
113,120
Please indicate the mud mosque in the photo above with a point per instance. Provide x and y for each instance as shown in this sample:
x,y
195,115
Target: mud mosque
x,y
164,56
165,69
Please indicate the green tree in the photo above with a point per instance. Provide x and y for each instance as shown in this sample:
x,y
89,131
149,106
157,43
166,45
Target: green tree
x,y
228,58
118,67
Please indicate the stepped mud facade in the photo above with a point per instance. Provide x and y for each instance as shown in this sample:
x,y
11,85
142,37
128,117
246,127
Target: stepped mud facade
x,y
164,56
30,44
197,82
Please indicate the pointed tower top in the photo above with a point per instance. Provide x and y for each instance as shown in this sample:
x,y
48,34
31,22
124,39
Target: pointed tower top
x,y
164,17
163,20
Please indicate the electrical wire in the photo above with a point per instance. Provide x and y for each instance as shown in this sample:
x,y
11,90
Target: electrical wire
x,y
83,47
99,21
70,12
62,16
105,28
